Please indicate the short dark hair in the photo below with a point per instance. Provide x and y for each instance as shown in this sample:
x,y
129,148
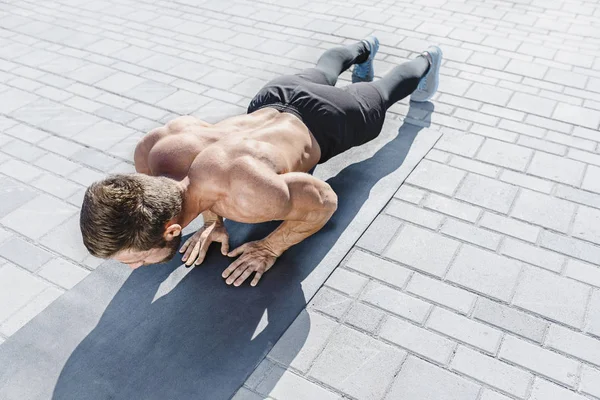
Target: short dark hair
x,y
128,211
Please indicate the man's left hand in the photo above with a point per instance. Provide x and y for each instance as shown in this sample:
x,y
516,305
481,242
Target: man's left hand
x,y
255,257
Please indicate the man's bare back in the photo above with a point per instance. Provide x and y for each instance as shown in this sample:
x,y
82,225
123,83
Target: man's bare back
x,y
248,169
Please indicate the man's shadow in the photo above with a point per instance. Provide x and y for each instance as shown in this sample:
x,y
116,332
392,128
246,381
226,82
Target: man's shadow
x,y
203,338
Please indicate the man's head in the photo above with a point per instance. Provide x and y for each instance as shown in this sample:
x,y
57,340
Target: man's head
x,y
132,218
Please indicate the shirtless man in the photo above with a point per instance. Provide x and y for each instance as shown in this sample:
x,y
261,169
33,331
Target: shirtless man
x,y
250,168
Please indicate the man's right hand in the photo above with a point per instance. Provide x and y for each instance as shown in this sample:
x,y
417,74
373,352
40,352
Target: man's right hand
x,y
195,247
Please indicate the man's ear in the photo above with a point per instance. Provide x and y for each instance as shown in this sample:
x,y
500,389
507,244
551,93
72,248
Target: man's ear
x,y
172,232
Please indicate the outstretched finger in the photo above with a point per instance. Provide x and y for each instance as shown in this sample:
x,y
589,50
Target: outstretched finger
x,y
186,245
191,254
243,277
236,252
232,267
225,245
238,271
256,278
203,251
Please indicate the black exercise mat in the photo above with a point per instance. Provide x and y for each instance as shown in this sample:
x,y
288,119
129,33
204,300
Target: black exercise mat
x,y
167,332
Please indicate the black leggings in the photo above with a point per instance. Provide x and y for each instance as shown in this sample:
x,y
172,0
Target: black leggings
x,y
340,118
397,84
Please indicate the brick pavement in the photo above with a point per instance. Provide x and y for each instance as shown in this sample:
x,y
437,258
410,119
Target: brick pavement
x,y
480,279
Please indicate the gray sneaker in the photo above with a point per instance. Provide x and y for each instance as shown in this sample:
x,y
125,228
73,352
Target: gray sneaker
x,y
429,83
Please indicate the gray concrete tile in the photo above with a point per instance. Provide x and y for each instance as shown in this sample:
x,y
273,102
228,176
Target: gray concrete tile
x,y
396,302
587,224
552,296
62,273
23,253
37,217
13,194
66,240
364,317
412,245
330,302
544,210
303,341
357,364
38,304
17,288
437,177
485,272
556,168
378,268
487,192
419,379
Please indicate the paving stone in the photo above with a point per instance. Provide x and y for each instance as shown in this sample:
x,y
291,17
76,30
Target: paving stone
x,y
417,340
464,144
587,224
59,145
510,319
15,322
465,330
421,380
436,177
543,390
357,364
20,170
183,102
544,210
485,272
532,104
510,226
58,165
379,233
412,245
14,99
590,381
488,60
570,246
441,293
452,207
577,115
556,168
493,372
85,176
527,181
471,234
486,192
282,384
491,395
544,362
37,217
102,136
474,166
62,273
55,185
364,317
23,253
552,296
505,154
303,341
66,239
17,288
23,150
120,82
533,255
573,343
592,179
583,272
489,94
396,302
346,282
593,319
392,274
13,194
414,214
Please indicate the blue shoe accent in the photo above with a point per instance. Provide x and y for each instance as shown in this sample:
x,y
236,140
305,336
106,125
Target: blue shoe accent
x,y
365,72
428,85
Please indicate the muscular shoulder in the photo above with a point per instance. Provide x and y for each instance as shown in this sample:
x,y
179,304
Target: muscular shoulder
x,y
148,141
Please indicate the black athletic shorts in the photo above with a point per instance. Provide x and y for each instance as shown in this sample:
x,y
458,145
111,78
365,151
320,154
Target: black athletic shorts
x,y
339,118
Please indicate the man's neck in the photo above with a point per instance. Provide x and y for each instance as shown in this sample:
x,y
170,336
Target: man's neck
x,y
194,203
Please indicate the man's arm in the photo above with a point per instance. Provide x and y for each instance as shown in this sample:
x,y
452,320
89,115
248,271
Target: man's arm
x,y
312,202
304,203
